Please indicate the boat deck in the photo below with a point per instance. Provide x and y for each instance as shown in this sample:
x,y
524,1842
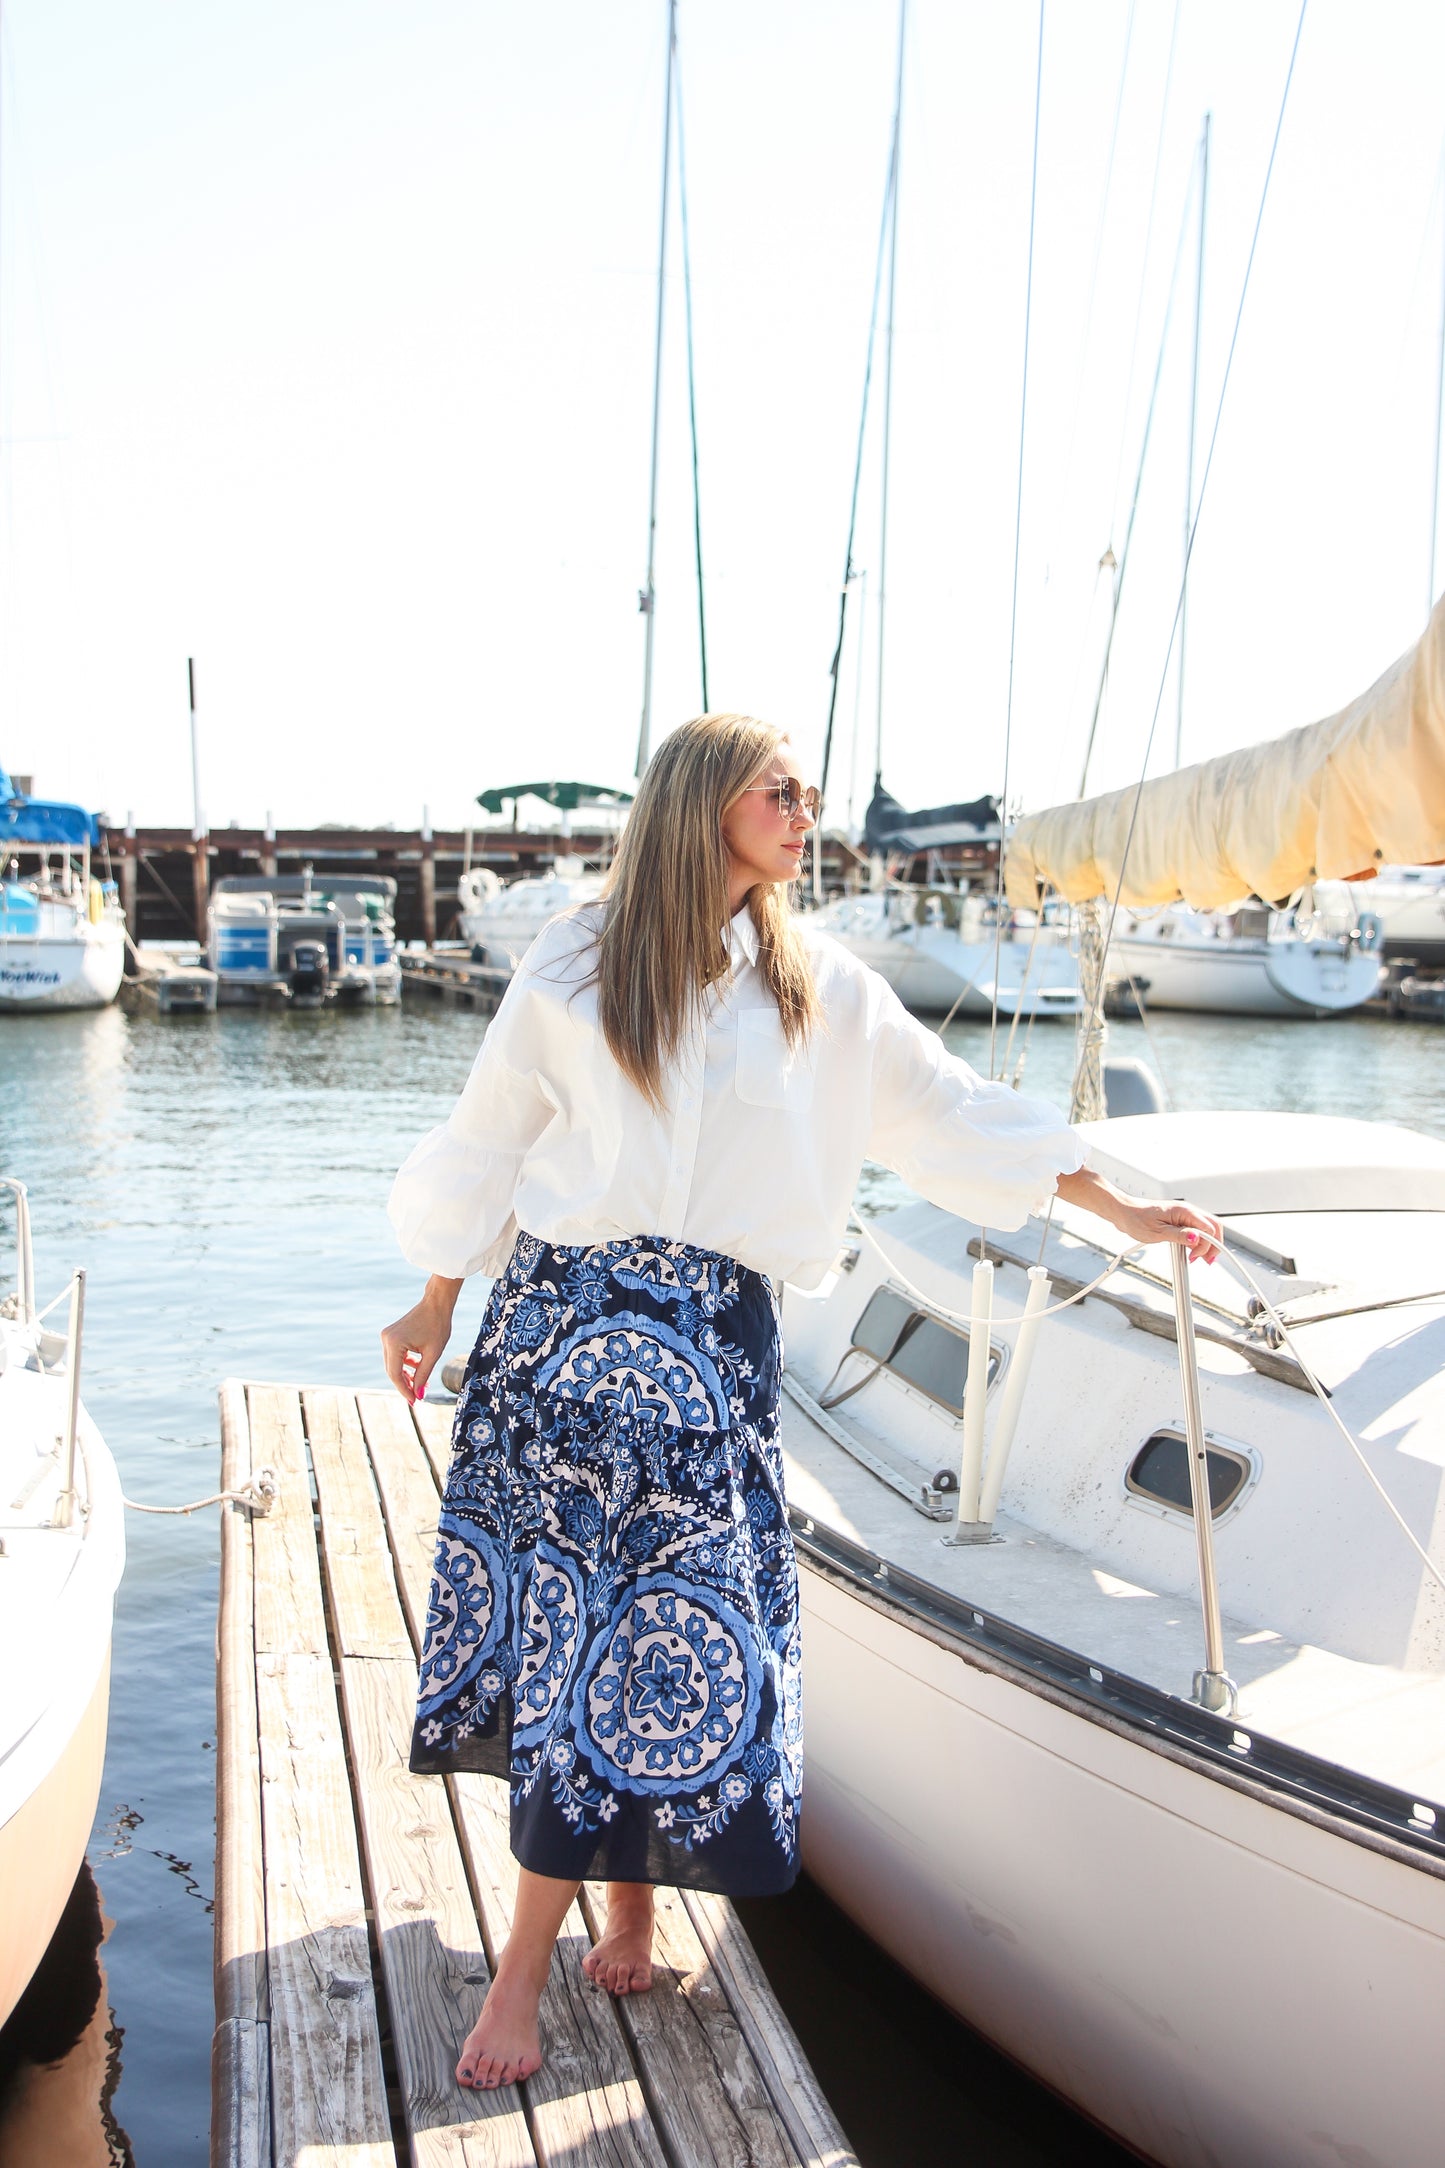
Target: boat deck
x,y
359,1909
1386,1722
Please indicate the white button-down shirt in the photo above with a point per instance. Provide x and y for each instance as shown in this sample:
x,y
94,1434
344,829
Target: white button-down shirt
x,y
757,1148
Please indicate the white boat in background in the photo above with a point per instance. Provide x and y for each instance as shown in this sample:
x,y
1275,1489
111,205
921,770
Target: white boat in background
x,y
302,940
943,952
1408,904
1247,962
62,932
502,922
1218,1931
62,1549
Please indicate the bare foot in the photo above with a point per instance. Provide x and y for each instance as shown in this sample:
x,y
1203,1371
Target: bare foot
x,y
622,1961
503,2047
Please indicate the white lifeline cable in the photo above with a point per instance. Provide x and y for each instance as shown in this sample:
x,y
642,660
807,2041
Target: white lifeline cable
x,y
1327,1404
957,1317
1000,1323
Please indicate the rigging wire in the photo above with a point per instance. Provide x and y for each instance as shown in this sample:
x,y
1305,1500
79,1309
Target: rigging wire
x,y
647,599
1098,253
1144,264
691,380
1193,406
1203,486
1122,566
1018,530
848,574
1098,993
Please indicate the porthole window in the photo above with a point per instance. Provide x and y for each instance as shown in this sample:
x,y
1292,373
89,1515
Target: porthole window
x,y
1159,1473
917,1347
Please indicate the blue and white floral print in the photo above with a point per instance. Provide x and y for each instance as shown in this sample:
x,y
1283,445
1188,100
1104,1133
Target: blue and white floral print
x,y
614,1610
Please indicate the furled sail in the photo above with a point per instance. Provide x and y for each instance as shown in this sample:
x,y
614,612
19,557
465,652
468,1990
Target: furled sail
x,y
1330,801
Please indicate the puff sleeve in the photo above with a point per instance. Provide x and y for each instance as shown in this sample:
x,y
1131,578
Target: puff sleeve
x,y
452,1201
981,1150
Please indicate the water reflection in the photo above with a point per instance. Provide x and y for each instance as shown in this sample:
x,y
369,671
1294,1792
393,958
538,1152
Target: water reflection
x,y
60,2052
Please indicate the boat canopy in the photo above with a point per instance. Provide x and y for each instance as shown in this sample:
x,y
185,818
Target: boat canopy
x,y
1331,801
888,826
567,797
44,820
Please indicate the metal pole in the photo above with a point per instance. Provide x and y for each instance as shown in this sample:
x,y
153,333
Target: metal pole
x,y
1193,405
967,1528
1439,412
888,390
200,856
646,601
1213,1687
65,1503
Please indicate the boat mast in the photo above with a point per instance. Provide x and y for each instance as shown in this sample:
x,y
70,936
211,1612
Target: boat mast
x,y
646,600
1439,412
1193,407
888,394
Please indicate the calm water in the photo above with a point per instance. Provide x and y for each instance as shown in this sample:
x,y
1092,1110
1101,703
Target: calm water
x,y
224,1181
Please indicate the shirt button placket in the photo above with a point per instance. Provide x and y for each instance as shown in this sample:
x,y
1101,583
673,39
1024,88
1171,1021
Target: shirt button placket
x,y
686,1131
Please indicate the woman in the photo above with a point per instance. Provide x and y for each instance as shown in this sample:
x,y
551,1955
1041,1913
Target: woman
x,y
667,1119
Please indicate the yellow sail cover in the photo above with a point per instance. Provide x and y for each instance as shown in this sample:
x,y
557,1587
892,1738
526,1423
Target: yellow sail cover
x,y
1329,801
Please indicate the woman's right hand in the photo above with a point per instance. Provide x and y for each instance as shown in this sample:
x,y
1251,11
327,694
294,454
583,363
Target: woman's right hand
x,y
416,1343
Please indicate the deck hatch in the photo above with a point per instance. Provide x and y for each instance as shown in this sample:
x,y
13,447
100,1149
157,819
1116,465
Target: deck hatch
x,y
1159,1472
918,1347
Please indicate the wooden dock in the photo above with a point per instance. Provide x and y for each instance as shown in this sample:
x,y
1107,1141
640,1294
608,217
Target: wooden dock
x,y
449,973
360,1909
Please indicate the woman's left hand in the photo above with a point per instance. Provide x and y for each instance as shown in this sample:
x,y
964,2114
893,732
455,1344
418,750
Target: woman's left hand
x,y
1143,1222
1199,1234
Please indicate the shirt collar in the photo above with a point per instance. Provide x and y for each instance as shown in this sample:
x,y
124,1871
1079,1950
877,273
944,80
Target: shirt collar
x,y
742,939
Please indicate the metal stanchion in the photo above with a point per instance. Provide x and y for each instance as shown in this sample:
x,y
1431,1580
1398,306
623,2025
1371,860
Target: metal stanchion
x,y
66,1502
1213,1687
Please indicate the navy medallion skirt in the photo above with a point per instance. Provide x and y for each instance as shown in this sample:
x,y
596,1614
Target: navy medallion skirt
x,y
614,1608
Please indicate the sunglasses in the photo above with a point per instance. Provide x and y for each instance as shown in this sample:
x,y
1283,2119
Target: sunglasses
x,y
792,797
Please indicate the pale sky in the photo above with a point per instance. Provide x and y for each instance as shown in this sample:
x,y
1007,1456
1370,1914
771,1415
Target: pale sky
x,y
325,356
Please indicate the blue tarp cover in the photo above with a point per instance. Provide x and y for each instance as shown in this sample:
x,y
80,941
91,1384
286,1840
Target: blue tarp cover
x,y
43,820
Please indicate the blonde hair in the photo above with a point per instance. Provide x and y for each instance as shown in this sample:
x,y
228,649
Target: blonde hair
x,y
662,938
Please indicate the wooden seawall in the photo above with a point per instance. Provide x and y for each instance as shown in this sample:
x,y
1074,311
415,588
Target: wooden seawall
x,y
359,1909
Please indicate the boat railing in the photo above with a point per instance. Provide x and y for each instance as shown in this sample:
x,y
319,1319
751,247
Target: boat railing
x,y
65,1503
24,1251
1213,1687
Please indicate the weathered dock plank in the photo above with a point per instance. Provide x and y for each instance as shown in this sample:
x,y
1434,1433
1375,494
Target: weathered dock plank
x,y
327,2088
586,2102
705,2090
365,1614
787,2073
240,1903
313,1788
432,1955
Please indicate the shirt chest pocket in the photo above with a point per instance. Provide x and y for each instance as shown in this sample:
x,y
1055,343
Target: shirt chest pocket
x,y
770,1073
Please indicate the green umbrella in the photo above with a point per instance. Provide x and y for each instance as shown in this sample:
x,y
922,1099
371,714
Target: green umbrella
x,y
567,796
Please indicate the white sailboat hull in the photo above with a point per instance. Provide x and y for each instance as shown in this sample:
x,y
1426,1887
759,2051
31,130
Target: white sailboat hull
x,y
1209,1977
934,968
1282,977
43,1843
80,969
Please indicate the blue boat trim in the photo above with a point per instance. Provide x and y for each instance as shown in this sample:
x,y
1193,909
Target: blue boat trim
x,y
1342,1800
